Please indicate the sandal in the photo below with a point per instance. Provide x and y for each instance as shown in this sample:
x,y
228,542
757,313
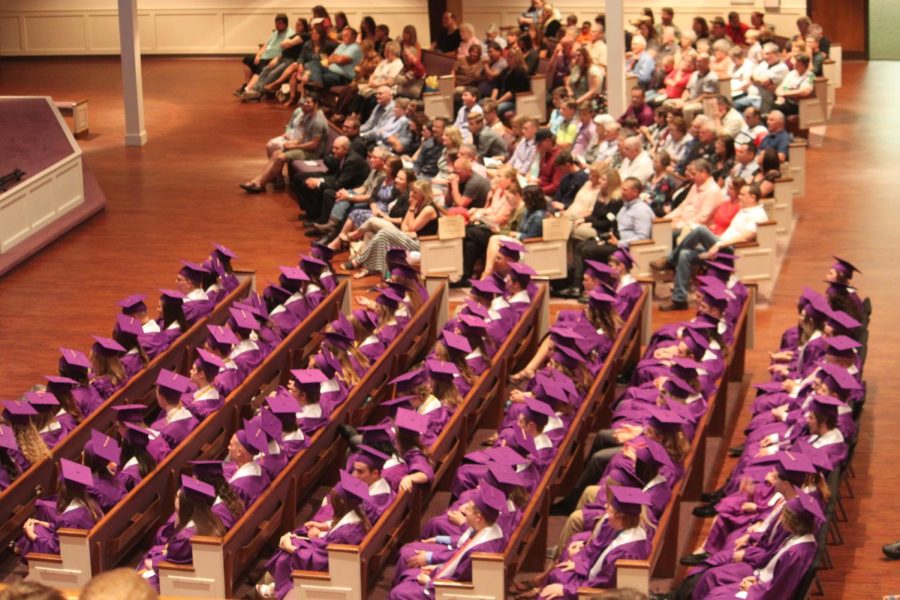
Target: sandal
x,y
521,586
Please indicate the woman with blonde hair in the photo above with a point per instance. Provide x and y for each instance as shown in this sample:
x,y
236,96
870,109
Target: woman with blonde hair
x,y
502,202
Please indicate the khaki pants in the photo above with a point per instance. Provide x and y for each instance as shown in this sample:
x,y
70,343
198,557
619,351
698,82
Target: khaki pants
x,y
575,523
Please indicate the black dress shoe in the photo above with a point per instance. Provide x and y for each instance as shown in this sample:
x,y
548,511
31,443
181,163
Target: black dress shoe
x,y
252,188
694,559
563,508
736,450
462,282
712,497
892,551
569,292
706,511
674,305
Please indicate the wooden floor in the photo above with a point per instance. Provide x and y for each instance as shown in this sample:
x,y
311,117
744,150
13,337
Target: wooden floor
x,y
177,195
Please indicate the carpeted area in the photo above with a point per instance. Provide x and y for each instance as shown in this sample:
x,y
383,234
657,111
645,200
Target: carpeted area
x,y
32,139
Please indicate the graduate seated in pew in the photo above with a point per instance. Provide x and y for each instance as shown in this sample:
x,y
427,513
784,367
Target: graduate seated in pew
x,y
338,342
134,306
133,415
102,455
126,334
136,459
415,389
171,323
364,323
455,563
176,421
454,348
205,399
243,469
475,332
520,290
221,342
775,578
247,354
228,505
842,295
73,509
9,469
333,391
628,289
63,389
50,428
796,364
285,408
192,281
314,290
444,377
219,263
326,276
194,516
74,365
349,525
108,374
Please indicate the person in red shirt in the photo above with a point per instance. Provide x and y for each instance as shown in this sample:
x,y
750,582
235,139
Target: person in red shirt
x,y
726,210
549,173
735,29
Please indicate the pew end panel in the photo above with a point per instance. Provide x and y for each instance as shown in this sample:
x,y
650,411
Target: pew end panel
x,y
797,168
784,206
547,257
633,574
658,246
206,578
343,581
71,568
441,257
488,580
758,257
814,109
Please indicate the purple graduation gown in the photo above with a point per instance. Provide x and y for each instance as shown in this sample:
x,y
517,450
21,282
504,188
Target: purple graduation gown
x,y
627,296
228,378
600,570
414,461
75,516
203,402
249,481
86,399
132,363
177,550
176,426
107,491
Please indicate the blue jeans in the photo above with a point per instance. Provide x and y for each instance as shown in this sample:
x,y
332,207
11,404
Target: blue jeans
x,y
506,106
340,210
745,101
326,77
684,256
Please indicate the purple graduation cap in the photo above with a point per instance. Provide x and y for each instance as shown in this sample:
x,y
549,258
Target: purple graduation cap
x,y
292,277
352,489
59,382
371,457
7,438
474,308
410,380
107,346
825,406
685,368
403,270
678,387
105,447
410,420
653,454
198,490
322,251
171,385
365,317
454,341
441,369
133,304
326,362
489,501
599,270
629,500
244,319
339,338
817,456
76,474
837,378
380,433
275,294
486,287
389,298
807,507
222,338
74,359
563,335
549,390
312,264
399,401
599,299
128,325
818,307
727,256
715,296
695,341
252,438
130,413
171,296
270,424
511,249
137,435
470,325
794,466
567,357
42,401
842,323
504,477
308,380
283,404
538,412
224,253
209,363
624,257
844,268
207,469
842,346
500,454
721,271
664,420
522,273
18,410
193,272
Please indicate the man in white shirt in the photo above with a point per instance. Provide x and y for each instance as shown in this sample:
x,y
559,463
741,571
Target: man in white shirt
x,y
469,106
701,244
745,165
637,163
728,120
755,129
597,47
767,76
742,73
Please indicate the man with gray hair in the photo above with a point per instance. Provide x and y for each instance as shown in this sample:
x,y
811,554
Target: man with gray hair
x,y
337,203
637,162
641,64
345,169
597,47
381,116
766,78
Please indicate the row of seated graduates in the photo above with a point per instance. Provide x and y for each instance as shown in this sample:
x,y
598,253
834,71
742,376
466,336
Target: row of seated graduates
x,y
397,452
535,421
805,424
231,352
47,414
290,415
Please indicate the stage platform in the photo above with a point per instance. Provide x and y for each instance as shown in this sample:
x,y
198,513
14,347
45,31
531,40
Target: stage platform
x,y
56,193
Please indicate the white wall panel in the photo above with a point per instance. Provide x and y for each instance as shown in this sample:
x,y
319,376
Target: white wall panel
x,y
10,38
60,33
103,32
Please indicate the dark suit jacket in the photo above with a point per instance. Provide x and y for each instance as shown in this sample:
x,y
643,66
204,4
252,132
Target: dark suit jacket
x,y
350,175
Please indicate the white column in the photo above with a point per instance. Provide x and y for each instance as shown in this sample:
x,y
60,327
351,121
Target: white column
x,y
132,85
615,58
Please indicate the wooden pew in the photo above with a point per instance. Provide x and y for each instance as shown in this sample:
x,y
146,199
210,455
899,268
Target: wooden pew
x,y
547,254
784,206
149,504
814,109
442,254
836,56
669,540
493,572
796,166
17,501
659,245
828,71
353,569
439,103
219,563
757,258
79,112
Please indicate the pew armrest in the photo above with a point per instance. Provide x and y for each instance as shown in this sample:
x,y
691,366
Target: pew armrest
x,y
83,533
641,243
182,568
46,558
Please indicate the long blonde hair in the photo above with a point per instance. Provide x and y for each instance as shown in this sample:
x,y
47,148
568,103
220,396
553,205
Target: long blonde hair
x,y
30,442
